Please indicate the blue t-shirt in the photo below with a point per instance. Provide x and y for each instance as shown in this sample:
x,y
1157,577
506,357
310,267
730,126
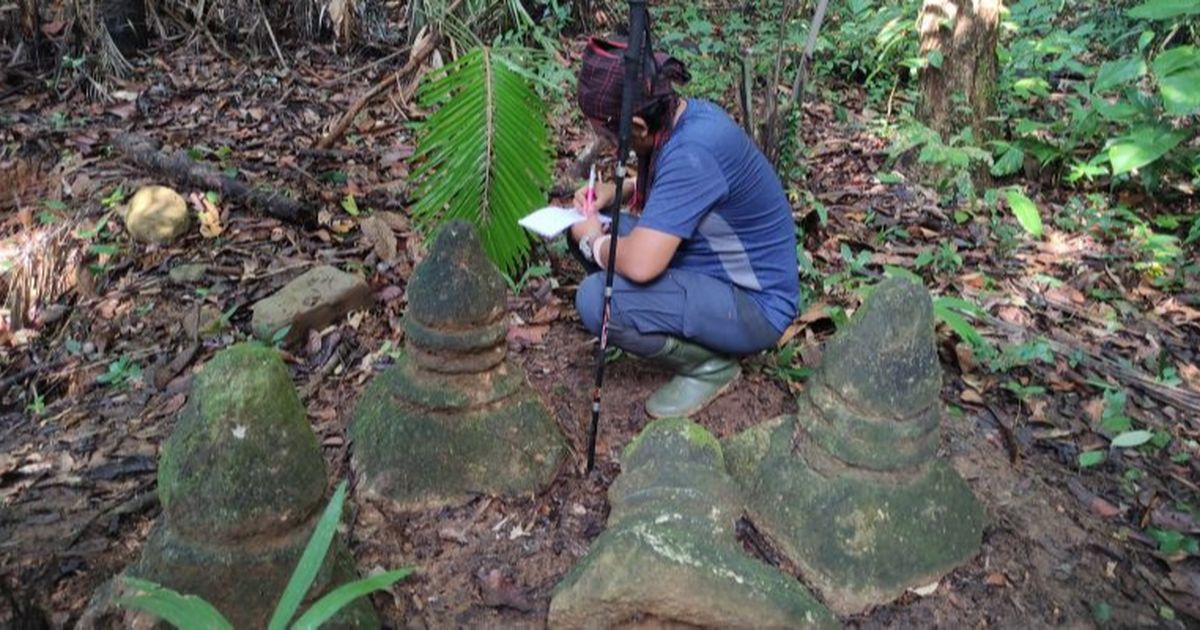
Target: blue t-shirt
x,y
715,190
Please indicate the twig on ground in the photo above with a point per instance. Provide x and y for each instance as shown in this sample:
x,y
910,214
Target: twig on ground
x,y
421,51
271,34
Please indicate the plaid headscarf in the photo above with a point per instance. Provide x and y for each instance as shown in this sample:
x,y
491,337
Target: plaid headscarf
x,y
601,83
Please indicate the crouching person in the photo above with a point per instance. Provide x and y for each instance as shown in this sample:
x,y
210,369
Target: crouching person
x,y
706,270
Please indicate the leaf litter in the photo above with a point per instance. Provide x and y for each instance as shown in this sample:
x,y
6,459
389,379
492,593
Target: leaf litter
x,y
76,470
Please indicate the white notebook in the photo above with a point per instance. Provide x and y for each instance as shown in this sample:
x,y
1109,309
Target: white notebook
x,y
551,221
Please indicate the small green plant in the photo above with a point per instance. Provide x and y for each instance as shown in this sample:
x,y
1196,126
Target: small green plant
x,y
944,259
189,611
391,350
120,372
114,198
37,404
1091,458
785,365
350,205
280,335
531,272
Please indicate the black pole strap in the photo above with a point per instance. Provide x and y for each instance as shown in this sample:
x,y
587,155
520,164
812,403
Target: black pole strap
x,y
639,43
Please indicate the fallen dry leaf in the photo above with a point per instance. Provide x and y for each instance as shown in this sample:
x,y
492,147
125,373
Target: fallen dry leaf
x,y
209,215
382,240
528,335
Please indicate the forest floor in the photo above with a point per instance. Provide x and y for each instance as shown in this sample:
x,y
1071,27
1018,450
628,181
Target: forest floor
x,y
1064,545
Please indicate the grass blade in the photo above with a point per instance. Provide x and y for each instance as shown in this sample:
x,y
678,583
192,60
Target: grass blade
x,y
339,598
181,611
310,562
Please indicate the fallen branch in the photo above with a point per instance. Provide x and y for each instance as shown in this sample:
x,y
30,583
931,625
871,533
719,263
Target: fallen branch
x,y
182,169
421,50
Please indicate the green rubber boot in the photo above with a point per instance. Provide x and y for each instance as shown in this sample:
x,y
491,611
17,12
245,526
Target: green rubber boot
x,y
700,376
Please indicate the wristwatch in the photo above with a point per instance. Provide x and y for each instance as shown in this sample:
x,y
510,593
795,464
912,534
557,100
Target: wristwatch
x,y
585,245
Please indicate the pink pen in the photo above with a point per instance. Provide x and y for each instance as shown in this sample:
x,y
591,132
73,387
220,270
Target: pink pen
x,y
589,208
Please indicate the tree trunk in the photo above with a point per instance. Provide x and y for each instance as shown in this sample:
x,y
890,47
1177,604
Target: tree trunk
x,y
960,92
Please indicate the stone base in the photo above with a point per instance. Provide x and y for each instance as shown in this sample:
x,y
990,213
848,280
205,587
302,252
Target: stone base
x,y
670,556
426,440
664,576
244,582
860,538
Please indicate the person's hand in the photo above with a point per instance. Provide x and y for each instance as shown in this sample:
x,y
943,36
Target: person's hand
x,y
590,225
605,193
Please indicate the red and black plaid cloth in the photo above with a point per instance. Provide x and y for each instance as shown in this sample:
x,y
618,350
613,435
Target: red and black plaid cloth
x,y
601,82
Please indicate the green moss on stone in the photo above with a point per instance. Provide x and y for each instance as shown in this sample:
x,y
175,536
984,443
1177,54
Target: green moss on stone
x,y
245,581
242,459
671,553
456,287
743,451
863,539
696,437
421,457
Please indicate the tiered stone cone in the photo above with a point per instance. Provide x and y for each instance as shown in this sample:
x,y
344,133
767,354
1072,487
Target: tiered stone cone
x,y
851,488
242,484
670,556
453,418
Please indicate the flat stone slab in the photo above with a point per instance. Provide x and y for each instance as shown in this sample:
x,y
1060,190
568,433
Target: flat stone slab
x,y
850,488
315,299
670,556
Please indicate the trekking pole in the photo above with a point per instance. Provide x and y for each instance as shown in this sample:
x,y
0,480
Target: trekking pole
x,y
638,44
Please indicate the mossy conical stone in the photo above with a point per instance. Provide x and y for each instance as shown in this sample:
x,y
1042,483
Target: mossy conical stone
x,y
670,556
850,488
453,418
242,484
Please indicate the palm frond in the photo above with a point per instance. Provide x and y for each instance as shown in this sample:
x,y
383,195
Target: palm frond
x,y
483,154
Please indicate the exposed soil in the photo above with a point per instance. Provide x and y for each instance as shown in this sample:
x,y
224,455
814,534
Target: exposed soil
x,y
77,483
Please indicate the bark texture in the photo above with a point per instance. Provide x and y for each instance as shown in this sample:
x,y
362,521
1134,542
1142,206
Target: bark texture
x,y
965,32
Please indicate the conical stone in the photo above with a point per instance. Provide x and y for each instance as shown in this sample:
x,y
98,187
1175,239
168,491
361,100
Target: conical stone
x,y
453,418
670,555
851,488
242,484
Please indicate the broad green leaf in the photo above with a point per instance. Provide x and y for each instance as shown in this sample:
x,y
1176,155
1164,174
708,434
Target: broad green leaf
x,y
1178,74
1090,458
1032,86
340,597
1119,72
1130,439
1144,40
1119,110
310,562
181,611
1164,9
1009,162
1143,147
1026,212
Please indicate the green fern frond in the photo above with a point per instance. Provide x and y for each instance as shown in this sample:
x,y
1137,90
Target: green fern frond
x,y
483,155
